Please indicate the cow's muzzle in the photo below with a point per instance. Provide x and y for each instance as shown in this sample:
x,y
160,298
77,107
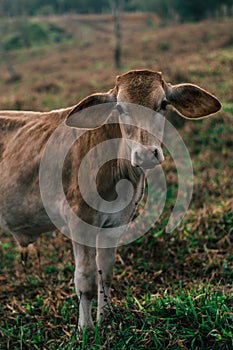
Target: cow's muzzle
x,y
146,157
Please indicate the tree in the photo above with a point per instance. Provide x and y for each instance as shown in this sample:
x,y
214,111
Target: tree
x,y
199,9
186,10
13,75
117,8
191,10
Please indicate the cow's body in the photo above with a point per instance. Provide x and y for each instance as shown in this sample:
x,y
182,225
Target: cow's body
x,y
23,138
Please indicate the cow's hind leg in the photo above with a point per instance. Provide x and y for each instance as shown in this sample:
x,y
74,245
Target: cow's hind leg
x,y
24,255
85,282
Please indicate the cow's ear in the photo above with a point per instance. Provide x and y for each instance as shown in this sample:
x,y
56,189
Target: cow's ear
x,y
85,115
191,101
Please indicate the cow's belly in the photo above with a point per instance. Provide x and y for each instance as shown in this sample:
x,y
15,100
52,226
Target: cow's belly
x,y
26,227
25,218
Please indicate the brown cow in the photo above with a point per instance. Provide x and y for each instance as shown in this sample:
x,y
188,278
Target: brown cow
x,y
24,136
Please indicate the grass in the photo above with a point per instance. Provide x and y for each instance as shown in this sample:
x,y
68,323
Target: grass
x,y
170,290
197,319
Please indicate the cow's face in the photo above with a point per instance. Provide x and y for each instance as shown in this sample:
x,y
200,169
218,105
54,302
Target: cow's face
x,y
141,102
142,131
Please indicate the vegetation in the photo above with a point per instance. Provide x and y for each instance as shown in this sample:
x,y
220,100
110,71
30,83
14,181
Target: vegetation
x,y
186,10
168,9
32,33
170,291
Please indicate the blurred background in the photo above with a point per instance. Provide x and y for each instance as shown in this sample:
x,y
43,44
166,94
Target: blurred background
x,y
59,51
53,53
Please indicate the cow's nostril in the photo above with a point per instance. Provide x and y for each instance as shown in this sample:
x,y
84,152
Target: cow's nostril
x,y
156,154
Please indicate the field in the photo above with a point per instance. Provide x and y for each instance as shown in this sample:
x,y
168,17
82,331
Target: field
x,y
170,290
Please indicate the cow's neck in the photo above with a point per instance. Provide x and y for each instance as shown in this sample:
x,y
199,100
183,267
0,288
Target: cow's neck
x,y
126,171
123,168
118,169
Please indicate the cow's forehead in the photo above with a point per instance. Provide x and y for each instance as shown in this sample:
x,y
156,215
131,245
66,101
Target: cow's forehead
x,y
140,86
137,77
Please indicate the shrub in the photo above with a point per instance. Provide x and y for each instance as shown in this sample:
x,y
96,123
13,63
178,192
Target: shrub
x,y
32,33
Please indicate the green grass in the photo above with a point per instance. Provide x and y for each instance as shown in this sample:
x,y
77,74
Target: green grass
x,y
228,108
199,319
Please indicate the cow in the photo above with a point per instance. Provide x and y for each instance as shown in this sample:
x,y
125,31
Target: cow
x,y
24,138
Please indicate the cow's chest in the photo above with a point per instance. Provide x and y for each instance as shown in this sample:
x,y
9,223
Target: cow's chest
x,y
121,210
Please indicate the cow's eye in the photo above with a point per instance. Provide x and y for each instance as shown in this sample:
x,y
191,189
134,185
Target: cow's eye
x,y
164,105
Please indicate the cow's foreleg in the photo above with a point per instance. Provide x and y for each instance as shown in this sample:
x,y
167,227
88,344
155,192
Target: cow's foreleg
x,y
105,259
85,282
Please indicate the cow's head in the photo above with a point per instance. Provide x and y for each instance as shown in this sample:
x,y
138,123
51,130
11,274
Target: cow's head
x,y
145,88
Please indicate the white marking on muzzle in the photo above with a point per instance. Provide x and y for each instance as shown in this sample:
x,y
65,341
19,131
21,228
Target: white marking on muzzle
x,y
146,157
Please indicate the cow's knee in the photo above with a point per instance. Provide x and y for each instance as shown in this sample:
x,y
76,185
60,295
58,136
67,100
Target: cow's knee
x,y
85,284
